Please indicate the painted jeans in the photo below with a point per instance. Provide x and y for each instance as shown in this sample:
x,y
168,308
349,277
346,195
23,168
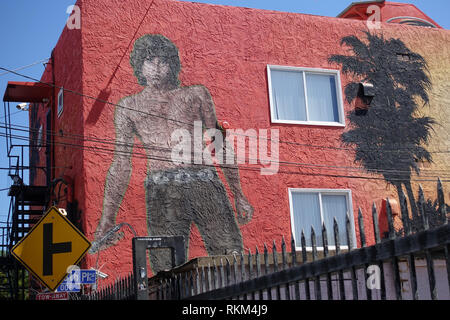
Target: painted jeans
x,y
178,197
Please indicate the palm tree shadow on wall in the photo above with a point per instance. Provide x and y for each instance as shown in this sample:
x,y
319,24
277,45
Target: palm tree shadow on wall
x,y
388,136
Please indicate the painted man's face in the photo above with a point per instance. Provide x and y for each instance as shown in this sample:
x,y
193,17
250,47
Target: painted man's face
x,y
155,72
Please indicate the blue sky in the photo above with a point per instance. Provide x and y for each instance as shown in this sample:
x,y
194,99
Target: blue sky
x,y
29,30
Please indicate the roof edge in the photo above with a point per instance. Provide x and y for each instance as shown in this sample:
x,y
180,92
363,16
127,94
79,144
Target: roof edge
x,y
359,2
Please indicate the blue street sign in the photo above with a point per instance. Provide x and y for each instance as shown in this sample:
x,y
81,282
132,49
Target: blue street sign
x,y
88,276
72,282
66,287
81,276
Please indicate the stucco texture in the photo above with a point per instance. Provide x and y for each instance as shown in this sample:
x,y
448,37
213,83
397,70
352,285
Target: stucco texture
x,y
227,51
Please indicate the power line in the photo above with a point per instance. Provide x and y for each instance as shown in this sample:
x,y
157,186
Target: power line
x,y
396,150
96,99
438,172
144,156
3,115
89,138
24,67
160,148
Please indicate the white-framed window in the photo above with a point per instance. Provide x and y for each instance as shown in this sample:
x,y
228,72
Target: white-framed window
x,y
60,102
313,207
305,96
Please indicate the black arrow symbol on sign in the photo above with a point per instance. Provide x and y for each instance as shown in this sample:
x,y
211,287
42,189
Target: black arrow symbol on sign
x,y
50,248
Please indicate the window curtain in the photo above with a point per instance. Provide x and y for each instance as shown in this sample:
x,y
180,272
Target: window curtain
x,y
335,206
306,209
322,97
288,95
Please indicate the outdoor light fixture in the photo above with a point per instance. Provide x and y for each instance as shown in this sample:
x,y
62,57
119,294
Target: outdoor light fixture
x,y
23,107
366,93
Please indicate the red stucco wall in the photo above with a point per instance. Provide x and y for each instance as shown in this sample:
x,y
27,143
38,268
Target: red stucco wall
x,y
64,71
227,50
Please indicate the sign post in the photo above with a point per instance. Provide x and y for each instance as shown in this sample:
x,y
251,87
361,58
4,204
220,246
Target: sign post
x,y
51,246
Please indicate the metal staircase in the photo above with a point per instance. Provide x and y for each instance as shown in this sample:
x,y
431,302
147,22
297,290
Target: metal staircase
x,y
27,205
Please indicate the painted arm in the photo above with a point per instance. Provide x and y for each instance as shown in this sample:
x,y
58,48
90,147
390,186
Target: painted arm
x,y
119,173
231,171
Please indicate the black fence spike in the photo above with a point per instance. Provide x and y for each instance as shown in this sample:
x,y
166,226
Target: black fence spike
x,y
325,254
362,234
348,231
376,228
404,213
337,243
314,258
324,240
257,262
313,244
441,201
293,251
250,264
266,260
275,266
303,243
283,254
390,219
422,211
275,256
267,269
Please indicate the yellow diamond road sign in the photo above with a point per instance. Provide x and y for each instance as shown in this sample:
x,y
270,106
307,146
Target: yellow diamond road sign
x,y
51,246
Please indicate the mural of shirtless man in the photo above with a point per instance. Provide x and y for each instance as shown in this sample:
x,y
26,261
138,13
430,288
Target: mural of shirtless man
x,y
177,194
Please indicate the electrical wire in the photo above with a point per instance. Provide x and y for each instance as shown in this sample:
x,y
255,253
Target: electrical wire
x,y
97,99
24,67
322,166
103,140
2,116
28,130
397,149
280,162
144,156
116,142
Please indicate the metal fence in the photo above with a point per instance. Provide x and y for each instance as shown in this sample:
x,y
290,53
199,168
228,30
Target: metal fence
x,y
410,263
122,289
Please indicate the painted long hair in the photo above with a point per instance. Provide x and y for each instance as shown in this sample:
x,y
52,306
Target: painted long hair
x,y
151,46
